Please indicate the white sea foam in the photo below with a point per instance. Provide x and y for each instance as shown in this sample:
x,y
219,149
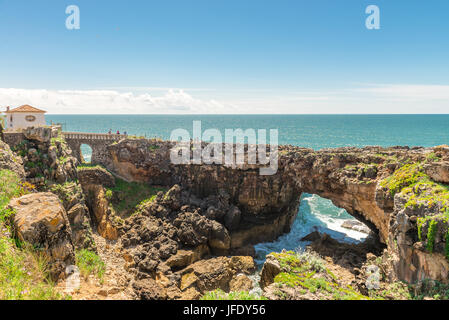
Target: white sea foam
x,y
315,213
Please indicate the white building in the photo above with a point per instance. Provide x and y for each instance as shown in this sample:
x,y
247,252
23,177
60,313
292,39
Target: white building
x,y
23,117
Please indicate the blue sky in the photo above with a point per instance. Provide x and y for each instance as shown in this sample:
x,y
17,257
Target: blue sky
x,y
230,56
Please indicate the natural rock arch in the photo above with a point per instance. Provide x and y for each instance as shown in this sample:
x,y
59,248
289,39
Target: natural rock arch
x,y
269,204
352,178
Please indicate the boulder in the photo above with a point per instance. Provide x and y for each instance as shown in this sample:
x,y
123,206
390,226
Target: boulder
x,y
41,220
96,176
149,289
183,258
356,226
438,171
219,239
41,134
243,264
313,236
241,282
215,273
208,275
271,268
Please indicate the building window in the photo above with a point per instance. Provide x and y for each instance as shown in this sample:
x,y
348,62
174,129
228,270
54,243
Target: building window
x,y
30,118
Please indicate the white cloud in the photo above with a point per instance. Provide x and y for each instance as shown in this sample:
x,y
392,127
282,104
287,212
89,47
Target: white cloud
x,y
110,101
368,98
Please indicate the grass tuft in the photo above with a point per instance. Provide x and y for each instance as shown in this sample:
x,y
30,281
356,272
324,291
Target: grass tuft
x,y
233,295
89,263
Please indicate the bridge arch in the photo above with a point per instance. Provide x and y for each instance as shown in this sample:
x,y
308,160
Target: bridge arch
x,y
98,142
86,152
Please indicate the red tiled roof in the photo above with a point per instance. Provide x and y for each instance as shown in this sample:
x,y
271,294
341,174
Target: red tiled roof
x,y
26,108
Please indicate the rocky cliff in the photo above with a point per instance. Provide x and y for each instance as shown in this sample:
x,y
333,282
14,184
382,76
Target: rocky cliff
x,y
167,239
54,215
398,192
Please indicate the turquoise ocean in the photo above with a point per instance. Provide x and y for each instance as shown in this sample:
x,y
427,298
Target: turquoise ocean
x,y
311,131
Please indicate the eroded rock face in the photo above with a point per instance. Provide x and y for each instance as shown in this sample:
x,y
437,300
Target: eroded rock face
x,y
93,182
49,166
215,273
263,207
74,202
169,239
96,176
271,268
438,171
10,161
46,156
40,134
41,220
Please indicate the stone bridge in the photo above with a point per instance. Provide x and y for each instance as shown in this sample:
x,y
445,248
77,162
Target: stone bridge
x,y
97,141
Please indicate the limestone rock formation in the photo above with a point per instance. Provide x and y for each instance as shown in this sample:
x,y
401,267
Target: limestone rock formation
x,y
360,180
74,202
271,268
41,220
40,134
400,193
355,225
10,161
49,165
93,182
438,171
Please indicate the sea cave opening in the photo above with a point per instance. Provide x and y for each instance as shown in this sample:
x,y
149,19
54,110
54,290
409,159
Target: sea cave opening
x,y
319,214
350,237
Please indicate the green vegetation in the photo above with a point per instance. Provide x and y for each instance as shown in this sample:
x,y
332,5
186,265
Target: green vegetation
x,y
127,196
405,176
59,140
431,235
23,270
393,291
89,166
66,191
420,191
432,157
307,272
154,147
89,263
23,274
108,195
10,187
221,295
430,289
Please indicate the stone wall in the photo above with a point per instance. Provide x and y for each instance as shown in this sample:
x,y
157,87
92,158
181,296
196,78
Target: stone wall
x,y
97,142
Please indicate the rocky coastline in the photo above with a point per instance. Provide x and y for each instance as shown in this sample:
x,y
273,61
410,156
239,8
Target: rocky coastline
x,y
166,231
